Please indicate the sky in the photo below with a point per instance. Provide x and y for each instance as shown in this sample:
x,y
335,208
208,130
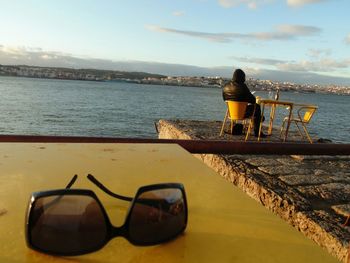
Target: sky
x,y
302,41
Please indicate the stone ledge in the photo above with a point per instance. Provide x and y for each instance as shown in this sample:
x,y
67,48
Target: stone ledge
x,y
281,184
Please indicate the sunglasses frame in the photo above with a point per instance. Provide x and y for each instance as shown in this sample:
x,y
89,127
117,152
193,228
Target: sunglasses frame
x,y
112,231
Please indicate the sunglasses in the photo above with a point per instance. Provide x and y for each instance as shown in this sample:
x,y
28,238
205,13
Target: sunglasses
x,y
69,222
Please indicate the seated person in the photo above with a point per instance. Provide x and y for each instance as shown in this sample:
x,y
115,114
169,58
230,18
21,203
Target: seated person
x,y
237,90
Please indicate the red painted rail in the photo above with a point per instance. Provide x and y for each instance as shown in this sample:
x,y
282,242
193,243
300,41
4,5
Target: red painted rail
x,y
200,146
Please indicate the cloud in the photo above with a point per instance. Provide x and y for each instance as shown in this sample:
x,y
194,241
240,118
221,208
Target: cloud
x,y
252,4
178,13
29,55
298,77
22,51
261,61
12,50
214,37
288,32
322,65
47,56
298,30
296,3
315,53
347,40
282,32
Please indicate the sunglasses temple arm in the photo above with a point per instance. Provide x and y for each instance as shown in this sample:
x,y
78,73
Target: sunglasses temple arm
x,y
106,190
72,181
58,198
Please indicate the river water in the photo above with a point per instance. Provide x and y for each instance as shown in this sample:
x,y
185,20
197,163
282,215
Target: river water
x,y
114,109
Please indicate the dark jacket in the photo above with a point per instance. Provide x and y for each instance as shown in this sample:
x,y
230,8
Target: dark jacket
x,y
237,90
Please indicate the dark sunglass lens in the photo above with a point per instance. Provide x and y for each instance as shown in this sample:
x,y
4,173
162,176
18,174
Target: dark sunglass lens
x,y
67,224
157,216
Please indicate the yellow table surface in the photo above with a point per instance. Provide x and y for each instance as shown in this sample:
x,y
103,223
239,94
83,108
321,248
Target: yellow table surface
x,y
225,225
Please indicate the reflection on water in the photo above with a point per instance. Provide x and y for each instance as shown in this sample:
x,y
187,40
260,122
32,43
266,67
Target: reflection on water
x,y
83,108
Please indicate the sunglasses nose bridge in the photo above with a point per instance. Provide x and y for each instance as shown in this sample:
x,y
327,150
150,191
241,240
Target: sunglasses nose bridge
x,y
118,231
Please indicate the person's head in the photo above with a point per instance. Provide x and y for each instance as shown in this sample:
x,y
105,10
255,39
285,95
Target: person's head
x,y
238,76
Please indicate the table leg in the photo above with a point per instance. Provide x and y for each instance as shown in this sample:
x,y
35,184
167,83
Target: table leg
x,y
261,120
288,124
272,117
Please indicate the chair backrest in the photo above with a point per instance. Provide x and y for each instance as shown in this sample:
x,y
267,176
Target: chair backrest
x,y
308,112
236,109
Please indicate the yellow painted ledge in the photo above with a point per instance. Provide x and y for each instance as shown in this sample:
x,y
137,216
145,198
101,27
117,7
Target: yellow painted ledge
x,y
225,225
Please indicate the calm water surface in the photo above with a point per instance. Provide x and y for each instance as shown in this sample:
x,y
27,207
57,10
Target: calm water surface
x,y
82,108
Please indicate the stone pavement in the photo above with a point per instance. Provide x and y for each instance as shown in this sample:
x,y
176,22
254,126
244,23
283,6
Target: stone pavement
x,y
312,193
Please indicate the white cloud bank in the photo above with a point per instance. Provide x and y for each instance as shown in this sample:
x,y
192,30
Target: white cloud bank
x,y
318,64
282,32
298,72
322,65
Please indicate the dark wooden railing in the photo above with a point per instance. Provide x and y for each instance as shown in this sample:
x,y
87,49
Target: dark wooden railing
x,y
199,146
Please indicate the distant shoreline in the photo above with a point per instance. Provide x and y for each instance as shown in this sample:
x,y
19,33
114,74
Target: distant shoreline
x,y
157,79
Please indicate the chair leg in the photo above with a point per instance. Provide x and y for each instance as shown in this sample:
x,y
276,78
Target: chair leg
x,y
231,126
301,134
248,131
223,124
307,133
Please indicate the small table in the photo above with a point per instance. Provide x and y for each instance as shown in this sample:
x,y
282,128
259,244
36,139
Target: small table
x,y
273,104
225,224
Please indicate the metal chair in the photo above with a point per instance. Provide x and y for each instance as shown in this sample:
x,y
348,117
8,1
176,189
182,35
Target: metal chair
x,y
305,114
236,112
